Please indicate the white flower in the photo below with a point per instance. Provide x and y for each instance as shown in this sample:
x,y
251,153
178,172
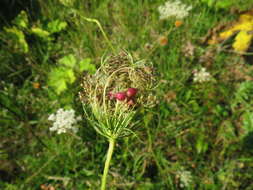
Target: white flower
x,y
185,178
201,76
174,9
64,120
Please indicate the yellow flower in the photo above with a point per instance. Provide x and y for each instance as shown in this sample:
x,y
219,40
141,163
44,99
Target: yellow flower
x,y
242,41
36,85
244,28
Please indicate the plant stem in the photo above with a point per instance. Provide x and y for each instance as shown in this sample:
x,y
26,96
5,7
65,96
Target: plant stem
x,y
101,29
107,163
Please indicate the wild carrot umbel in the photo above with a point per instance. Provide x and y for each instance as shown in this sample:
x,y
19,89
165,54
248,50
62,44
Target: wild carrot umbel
x,y
111,98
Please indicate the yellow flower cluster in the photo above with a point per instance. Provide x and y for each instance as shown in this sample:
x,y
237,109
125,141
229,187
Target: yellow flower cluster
x,y
244,29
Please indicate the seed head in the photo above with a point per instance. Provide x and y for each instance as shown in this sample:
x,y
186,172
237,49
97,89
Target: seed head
x,y
113,80
109,96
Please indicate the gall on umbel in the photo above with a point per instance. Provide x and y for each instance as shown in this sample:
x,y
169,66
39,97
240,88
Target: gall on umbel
x,y
121,96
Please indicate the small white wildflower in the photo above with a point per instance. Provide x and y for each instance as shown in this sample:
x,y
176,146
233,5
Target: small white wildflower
x,y
64,120
185,178
174,9
51,117
201,76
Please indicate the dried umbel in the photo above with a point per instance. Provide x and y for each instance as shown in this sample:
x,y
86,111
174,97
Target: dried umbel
x,y
112,96
114,93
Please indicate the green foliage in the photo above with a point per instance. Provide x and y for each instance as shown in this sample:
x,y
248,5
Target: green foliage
x,y
59,78
247,124
243,95
219,4
16,40
201,144
21,20
67,2
69,61
206,128
66,72
56,26
85,65
40,32
8,103
227,4
11,187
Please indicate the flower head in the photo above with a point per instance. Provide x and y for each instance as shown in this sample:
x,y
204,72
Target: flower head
x,y
174,9
185,178
178,23
64,120
36,85
163,40
114,93
119,78
201,75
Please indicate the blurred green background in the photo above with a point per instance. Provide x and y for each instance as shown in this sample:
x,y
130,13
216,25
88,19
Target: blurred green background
x,y
200,132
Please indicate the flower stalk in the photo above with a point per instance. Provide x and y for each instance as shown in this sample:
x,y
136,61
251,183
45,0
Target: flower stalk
x,y
101,29
107,163
99,26
112,97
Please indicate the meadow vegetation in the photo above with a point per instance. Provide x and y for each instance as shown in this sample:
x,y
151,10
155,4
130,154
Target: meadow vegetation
x,y
198,133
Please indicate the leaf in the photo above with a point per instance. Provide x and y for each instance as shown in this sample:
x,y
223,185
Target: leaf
x,y
147,119
227,4
201,144
59,86
85,65
40,32
226,133
68,60
16,39
10,104
247,123
56,26
243,94
21,20
224,4
58,79
208,2
70,76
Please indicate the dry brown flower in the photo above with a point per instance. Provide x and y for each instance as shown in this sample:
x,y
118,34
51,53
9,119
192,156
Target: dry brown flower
x,y
170,96
163,40
116,74
188,49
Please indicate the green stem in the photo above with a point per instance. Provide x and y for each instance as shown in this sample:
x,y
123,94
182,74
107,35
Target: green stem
x,y
101,29
107,163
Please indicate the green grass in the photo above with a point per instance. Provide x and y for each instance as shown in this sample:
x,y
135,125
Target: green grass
x,y
205,129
